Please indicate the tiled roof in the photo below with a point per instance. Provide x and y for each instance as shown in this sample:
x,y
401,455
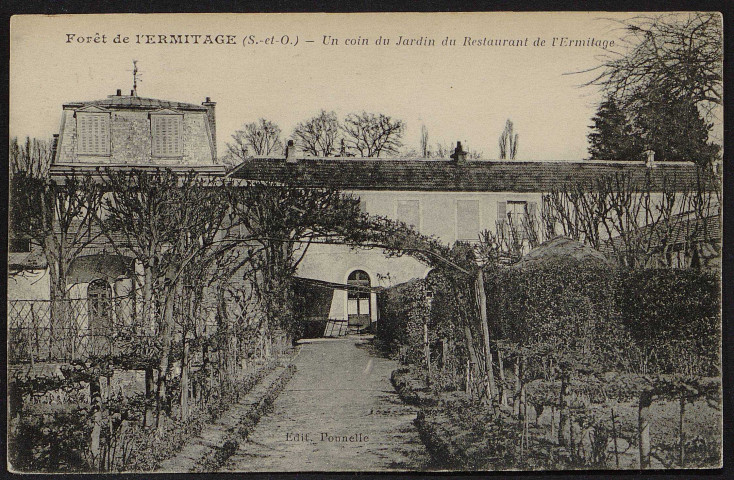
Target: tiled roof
x,y
61,170
128,101
446,175
34,260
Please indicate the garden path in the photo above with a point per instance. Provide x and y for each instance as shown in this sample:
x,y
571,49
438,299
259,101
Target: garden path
x,y
342,391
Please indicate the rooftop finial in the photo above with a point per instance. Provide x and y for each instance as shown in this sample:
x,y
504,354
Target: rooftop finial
x,y
135,78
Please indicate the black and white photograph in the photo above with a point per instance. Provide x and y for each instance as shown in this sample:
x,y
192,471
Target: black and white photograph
x,y
365,242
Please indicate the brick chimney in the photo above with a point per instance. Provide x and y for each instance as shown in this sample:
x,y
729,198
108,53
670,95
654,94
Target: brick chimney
x,y
54,147
649,158
459,155
210,115
290,152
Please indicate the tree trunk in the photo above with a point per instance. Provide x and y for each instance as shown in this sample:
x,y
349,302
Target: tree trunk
x,y
185,381
643,428
518,387
148,316
482,299
95,393
166,338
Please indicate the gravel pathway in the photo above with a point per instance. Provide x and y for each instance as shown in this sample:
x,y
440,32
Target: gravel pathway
x,y
338,413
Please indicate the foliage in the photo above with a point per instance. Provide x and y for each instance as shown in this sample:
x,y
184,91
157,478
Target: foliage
x,y
50,441
668,86
611,136
673,317
671,126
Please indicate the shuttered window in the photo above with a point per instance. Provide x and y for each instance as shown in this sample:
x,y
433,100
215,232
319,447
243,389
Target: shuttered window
x,y
467,220
167,141
93,133
409,212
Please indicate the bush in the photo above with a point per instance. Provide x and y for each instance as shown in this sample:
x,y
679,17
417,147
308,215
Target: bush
x,y
674,318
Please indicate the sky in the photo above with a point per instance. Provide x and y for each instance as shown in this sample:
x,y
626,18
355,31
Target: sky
x,y
458,92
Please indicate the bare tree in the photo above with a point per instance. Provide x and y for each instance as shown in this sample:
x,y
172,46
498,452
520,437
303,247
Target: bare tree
x,y
508,141
260,138
637,224
60,217
680,53
373,135
319,135
32,157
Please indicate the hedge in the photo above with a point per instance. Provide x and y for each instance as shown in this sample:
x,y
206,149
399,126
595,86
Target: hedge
x,y
599,317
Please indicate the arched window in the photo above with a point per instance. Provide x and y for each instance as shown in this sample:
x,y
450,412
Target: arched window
x,y
358,299
99,298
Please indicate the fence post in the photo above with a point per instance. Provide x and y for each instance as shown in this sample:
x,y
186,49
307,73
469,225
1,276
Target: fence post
x,y
643,428
682,435
482,299
614,436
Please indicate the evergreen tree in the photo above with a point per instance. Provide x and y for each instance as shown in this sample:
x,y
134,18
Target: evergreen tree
x,y
672,126
611,136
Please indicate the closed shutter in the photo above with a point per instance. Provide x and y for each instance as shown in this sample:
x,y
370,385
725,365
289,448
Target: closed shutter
x,y
467,219
501,212
166,135
532,209
409,212
93,133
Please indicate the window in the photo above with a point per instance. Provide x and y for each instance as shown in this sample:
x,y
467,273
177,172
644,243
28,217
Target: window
x,y
467,219
93,133
20,245
167,135
516,213
363,205
408,211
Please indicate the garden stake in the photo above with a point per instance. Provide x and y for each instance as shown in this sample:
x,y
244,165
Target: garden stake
x,y
614,437
682,437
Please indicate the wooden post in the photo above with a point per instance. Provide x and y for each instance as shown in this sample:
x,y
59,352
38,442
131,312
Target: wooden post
x,y
643,428
503,388
564,424
426,352
482,299
614,436
682,435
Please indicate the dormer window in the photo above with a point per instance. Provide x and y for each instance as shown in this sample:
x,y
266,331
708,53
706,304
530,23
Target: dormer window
x,y
93,133
167,129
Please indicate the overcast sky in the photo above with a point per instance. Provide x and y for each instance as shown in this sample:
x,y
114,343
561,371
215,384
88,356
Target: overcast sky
x,y
458,93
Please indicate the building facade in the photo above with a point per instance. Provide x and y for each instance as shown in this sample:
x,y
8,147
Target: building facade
x,y
451,199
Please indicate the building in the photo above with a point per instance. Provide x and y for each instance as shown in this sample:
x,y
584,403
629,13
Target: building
x,y
119,132
451,199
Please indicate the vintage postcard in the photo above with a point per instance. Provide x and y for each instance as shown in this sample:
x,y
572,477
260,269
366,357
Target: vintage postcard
x,y
365,242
